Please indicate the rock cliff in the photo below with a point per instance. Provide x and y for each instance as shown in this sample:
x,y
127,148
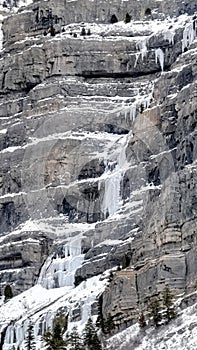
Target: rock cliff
x,y
98,158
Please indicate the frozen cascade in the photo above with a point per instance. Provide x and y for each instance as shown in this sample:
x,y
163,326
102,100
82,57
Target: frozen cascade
x,y
189,34
60,271
111,200
159,55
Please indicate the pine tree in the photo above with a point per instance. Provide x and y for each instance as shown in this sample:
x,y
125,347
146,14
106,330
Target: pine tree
x,y
83,31
109,324
74,340
169,312
154,309
111,276
54,339
8,292
90,338
30,340
52,31
89,32
125,261
127,18
100,323
96,344
142,321
114,19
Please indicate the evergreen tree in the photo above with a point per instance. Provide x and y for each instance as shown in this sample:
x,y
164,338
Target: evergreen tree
x,y
125,261
90,338
142,321
118,268
96,344
109,324
8,292
169,312
89,32
111,276
74,340
127,18
83,31
154,309
54,339
52,31
30,340
100,323
114,19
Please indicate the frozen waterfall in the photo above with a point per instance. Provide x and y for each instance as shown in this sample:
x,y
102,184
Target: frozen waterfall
x,y
111,199
59,271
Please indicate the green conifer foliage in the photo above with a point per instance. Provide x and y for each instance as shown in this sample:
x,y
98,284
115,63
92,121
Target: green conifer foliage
x,y
90,338
154,309
169,312
127,18
8,292
125,261
114,19
74,340
54,339
30,339
109,324
142,321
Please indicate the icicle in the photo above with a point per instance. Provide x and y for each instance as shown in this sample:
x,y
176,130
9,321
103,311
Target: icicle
x,y
142,46
86,311
159,55
133,110
168,35
189,34
137,55
112,193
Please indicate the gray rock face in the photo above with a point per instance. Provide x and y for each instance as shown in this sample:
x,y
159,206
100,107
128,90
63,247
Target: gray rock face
x,y
100,130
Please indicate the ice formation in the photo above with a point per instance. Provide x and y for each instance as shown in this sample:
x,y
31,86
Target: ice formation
x,y
111,199
59,271
189,34
142,47
159,55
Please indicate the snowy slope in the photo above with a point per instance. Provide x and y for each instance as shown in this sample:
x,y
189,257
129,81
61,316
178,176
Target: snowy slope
x,y
180,333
